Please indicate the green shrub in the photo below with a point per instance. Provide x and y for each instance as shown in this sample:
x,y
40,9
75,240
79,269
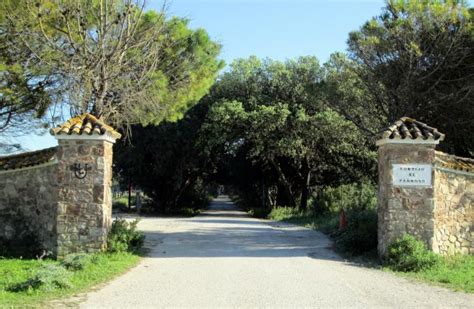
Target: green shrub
x,y
195,197
285,213
48,278
410,254
360,235
354,196
77,261
124,236
121,204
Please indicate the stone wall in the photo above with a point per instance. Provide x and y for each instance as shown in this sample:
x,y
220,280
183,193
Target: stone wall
x,y
63,194
403,210
454,211
423,192
28,204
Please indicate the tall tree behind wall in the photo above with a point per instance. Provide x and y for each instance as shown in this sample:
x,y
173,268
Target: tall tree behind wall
x,y
110,58
416,59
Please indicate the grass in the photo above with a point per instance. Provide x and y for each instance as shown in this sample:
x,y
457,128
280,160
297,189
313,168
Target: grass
x,y
325,223
454,272
14,271
121,203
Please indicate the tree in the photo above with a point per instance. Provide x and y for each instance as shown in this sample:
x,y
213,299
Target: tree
x,y
269,114
110,58
164,162
23,98
344,91
416,59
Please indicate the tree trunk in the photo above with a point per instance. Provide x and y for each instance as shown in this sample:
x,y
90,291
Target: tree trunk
x,y
305,192
286,184
129,193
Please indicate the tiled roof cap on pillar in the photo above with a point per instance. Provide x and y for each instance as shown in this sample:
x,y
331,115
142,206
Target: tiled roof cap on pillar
x,y
85,125
407,130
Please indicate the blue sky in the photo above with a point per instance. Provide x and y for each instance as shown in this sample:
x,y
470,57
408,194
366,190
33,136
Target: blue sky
x,y
278,29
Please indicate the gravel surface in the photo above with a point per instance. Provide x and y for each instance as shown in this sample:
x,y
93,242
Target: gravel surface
x,y
223,258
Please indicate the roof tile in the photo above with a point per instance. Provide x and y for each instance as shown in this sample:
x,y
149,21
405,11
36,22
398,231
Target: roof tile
x,y
409,128
27,159
85,124
454,162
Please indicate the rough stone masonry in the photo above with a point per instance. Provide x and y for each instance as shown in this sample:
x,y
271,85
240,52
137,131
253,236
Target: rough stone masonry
x,y
61,195
437,205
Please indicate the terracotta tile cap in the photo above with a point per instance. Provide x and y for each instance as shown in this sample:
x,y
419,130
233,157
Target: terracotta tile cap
x,y
409,128
85,124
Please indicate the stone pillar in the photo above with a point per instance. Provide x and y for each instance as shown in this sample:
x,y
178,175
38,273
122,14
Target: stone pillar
x,y
406,199
84,184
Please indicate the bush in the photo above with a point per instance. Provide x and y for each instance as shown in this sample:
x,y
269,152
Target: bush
x,y
354,196
285,213
195,197
124,237
121,203
48,278
410,254
360,235
77,261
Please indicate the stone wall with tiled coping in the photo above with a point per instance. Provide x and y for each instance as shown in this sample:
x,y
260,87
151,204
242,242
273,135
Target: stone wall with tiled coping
x,y
67,212
442,215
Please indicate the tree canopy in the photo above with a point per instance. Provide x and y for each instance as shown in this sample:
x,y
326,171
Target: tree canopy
x,y
273,116
416,60
277,131
273,131
111,58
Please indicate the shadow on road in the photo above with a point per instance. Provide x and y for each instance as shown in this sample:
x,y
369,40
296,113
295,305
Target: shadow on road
x,y
225,231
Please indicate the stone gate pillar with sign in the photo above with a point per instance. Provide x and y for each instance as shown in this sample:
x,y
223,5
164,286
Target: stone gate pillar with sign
x,y
84,177
406,157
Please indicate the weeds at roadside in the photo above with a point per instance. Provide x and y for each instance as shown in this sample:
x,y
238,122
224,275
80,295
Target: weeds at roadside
x,y
409,257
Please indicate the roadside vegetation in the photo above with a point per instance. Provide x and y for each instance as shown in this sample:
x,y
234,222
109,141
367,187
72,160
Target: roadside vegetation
x,y
408,256
28,282
36,281
455,272
357,201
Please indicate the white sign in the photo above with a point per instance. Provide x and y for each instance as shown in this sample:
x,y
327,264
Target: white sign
x,y
408,175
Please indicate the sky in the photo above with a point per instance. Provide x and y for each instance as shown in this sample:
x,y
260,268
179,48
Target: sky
x,y
278,29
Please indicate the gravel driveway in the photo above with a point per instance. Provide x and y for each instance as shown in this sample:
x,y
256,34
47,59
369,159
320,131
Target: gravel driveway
x,y
223,258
